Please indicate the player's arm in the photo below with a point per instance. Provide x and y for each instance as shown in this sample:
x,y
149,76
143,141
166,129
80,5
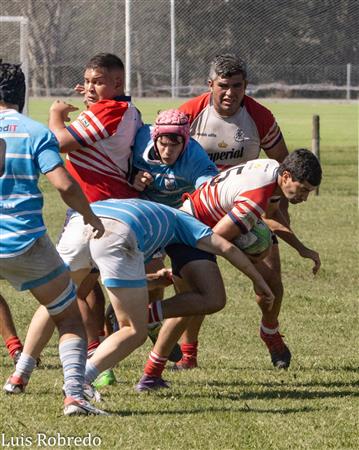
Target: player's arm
x,y
278,152
73,196
58,115
242,217
218,245
278,223
227,228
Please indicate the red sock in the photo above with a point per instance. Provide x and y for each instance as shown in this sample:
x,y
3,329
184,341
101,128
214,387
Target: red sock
x,y
268,328
91,348
269,333
155,365
13,344
189,350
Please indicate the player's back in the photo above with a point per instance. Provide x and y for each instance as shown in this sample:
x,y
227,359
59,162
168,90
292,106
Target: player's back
x,y
29,149
155,225
252,182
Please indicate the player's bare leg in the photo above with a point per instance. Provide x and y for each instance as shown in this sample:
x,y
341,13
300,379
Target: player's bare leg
x,y
131,309
59,298
203,293
270,269
8,331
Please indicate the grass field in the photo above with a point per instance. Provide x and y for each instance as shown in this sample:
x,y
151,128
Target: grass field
x,y
235,400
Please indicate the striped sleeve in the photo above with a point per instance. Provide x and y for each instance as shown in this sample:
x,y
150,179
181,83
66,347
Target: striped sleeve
x,y
250,206
193,107
268,129
97,123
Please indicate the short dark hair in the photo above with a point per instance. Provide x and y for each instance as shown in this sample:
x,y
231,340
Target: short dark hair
x,y
303,165
12,85
227,65
106,61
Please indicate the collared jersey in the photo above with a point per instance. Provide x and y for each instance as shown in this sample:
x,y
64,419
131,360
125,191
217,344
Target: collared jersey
x,y
105,133
155,225
233,140
27,149
191,169
243,192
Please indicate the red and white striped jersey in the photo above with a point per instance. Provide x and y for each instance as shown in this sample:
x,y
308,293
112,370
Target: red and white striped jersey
x,y
243,192
233,140
105,132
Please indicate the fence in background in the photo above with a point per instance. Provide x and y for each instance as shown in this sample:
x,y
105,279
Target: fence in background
x,y
293,48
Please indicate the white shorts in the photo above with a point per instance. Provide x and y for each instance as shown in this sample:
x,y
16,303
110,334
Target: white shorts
x,y
37,266
116,253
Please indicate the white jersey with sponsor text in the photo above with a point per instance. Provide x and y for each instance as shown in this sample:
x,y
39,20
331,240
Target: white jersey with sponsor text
x,y
233,140
243,192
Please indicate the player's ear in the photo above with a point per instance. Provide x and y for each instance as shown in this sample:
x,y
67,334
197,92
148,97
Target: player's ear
x,y
286,175
119,82
245,84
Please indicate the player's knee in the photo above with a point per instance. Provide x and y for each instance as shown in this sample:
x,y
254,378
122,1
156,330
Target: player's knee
x,y
215,301
277,288
62,301
138,332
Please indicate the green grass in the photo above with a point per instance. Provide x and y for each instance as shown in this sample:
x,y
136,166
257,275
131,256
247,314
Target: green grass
x,y
236,400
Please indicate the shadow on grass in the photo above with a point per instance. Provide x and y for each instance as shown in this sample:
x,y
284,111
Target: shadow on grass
x,y
220,410
214,390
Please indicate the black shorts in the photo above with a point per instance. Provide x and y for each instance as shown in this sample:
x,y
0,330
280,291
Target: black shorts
x,y
182,254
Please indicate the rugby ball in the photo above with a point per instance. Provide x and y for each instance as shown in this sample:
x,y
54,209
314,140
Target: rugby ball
x,y
256,241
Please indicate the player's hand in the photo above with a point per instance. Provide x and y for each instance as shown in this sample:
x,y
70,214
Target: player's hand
x,y
160,279
165,277
142,180
63,108
96,224
264,294
314,256
80,89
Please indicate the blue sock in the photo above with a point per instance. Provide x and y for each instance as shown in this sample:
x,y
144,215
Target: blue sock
x,y
91,372
73,354
25,366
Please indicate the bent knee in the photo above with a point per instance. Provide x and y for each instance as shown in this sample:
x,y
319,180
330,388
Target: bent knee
x,y
277,287
215,303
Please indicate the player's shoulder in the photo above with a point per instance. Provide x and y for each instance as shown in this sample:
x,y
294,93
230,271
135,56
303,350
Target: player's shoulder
x,y
195,105
33,125
262,116
195,152
39,133
255,108
143,141
262,166
110,105
143,135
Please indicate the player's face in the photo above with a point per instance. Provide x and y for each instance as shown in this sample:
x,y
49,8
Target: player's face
x,y
295,191
228,94
169,149
102,84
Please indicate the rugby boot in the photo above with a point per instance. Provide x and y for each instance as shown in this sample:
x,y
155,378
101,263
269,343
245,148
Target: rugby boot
x,y
148,383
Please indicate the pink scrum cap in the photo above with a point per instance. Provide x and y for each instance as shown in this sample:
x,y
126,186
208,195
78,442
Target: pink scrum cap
x,y
171,121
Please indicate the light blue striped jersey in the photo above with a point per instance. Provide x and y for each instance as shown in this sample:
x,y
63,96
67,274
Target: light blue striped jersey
x,y
27,149
155,225
190,170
